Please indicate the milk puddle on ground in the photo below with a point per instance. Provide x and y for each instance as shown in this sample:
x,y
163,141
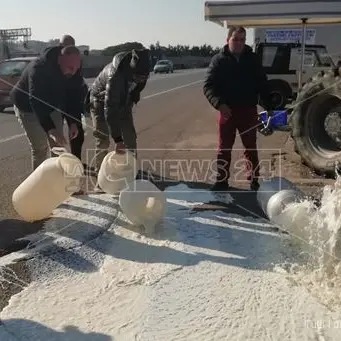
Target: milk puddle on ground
x,y
204,276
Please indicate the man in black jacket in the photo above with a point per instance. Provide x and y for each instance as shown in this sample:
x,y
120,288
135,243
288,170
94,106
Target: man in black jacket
x,y
112,96
39,97
234,82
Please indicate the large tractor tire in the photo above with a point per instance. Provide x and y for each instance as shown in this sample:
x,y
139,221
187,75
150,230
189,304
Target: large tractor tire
x,y
316,123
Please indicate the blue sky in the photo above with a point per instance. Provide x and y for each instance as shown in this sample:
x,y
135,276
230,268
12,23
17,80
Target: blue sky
x,y
100,23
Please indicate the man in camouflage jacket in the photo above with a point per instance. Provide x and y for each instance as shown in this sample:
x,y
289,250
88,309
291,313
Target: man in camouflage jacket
x,y
111,99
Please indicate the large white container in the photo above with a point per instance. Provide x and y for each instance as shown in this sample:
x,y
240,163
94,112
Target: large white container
x,y
117,171
54,181
275,194
143,204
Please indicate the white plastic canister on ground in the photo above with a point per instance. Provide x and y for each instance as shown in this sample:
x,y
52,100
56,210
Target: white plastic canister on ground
x,y
54,181
275,194
143,204
117,171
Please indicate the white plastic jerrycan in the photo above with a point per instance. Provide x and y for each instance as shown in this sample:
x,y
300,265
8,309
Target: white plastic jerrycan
x,y
275,194
143,204
117,171
48,186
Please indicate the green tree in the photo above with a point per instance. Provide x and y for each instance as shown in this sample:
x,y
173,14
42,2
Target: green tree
x,y
128,46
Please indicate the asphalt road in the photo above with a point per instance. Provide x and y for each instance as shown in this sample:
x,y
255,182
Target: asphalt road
x,y
177,137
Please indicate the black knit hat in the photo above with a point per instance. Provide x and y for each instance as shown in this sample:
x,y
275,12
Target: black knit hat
x,y
140,61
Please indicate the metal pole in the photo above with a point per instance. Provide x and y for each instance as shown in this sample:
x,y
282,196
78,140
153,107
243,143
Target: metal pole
x,y
304,31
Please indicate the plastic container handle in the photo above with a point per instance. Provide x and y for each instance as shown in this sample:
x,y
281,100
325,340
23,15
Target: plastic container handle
x,y
59,150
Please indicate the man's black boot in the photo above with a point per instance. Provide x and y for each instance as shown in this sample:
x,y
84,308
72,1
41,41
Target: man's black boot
x,y
254,186
220,186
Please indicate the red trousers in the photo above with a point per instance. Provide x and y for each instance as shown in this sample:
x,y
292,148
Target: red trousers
x,y
243,119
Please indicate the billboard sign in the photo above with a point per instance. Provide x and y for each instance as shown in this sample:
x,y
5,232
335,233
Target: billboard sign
x,y
289,36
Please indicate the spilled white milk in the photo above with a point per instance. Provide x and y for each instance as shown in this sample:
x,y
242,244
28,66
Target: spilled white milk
x,y
206,275
316,231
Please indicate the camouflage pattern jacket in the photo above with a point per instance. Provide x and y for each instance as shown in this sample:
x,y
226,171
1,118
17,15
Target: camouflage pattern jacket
x,y
114,90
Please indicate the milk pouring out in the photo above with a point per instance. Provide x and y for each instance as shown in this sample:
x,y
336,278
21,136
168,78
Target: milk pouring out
x,y
48,186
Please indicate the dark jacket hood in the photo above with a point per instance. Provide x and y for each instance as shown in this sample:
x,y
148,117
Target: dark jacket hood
x,y
137,60
50,57
120,59
51,54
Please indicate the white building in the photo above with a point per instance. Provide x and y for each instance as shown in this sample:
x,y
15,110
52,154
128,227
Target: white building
x,y
323,17
83,48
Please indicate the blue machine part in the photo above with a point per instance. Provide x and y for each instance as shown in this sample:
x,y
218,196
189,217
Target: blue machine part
x,y
278,119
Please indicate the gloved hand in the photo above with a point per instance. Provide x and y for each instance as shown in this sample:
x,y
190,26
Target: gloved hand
x,y
87,103
264,127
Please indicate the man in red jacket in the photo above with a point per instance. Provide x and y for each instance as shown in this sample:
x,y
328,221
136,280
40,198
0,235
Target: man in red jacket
x,y
234,82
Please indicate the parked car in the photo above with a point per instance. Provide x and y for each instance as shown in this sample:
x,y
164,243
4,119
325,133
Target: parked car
x,y
10,72
163,66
